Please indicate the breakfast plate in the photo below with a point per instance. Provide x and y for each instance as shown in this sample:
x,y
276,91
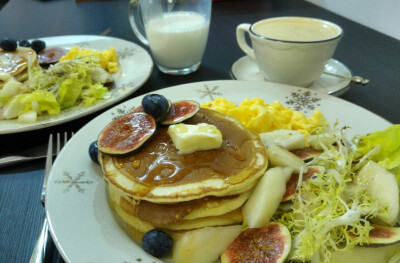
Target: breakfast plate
x,y
130,56
246,69
83,225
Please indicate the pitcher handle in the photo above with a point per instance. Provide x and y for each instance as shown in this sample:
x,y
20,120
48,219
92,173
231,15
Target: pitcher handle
x,y
134,15
240,37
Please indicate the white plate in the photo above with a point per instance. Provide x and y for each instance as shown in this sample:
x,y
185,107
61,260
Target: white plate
x,y
81,221
246,69
136,66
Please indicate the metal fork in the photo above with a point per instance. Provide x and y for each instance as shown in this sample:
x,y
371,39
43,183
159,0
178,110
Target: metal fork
x,y
43,241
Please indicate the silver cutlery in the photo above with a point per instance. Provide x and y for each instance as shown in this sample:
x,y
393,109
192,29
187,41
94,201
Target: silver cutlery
x,y
11,160
39,251
355,79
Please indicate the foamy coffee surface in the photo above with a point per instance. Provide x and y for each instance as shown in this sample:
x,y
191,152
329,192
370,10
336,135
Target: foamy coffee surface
x,y
296,29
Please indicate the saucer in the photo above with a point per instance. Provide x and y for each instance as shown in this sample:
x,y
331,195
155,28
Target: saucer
x,y
246,69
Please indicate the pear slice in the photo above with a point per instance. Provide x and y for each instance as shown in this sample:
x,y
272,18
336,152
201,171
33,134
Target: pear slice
x,y
204,245
288,139
266,197
364,255
382,186
279,156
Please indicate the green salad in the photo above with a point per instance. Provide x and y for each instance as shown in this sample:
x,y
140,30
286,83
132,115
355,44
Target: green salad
x,y
336,210
77,81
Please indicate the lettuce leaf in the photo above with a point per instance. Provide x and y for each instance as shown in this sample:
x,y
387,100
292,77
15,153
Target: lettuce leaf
x,y
388,143
40,101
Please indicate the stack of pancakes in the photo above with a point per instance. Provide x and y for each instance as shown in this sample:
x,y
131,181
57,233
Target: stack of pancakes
x,y
156,187
17,63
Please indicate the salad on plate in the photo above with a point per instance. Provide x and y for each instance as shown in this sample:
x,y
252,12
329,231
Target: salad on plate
x,y
36,81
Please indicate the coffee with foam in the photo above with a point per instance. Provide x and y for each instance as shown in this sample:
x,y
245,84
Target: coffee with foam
x,y
296,29
290,50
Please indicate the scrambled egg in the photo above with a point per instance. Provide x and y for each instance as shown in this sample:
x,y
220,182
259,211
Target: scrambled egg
x,y
108,58
258,116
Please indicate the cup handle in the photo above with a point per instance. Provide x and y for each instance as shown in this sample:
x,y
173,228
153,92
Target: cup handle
x,y
240,37
134,15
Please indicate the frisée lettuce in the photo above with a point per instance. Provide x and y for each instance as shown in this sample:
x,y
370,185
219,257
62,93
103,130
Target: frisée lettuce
x,y
331,211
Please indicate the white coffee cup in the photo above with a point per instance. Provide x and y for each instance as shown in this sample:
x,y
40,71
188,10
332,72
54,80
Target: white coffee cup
x,y
290,50
175,30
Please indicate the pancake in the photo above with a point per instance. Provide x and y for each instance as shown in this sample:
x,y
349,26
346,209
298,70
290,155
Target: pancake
x,y
157,173
126,211
18,62
170,214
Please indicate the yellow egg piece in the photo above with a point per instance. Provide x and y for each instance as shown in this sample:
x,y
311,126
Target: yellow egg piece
x,y
108,58
259,116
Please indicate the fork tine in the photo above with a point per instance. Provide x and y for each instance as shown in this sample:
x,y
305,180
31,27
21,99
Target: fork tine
x,y
58,144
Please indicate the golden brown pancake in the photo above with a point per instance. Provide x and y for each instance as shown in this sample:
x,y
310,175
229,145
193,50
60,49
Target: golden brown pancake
x,y
156,172
158,219
17,63
169,214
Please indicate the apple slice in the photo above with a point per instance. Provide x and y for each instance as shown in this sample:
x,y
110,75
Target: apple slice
x,y
266,196
279,156
382,186
204,244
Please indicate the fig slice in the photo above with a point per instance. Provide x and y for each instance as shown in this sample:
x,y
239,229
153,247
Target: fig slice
x,y
383,236
181,110
126,133
51,56
306,153
269,244
291,184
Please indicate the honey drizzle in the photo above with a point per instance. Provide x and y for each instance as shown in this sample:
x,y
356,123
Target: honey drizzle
x,y
158,162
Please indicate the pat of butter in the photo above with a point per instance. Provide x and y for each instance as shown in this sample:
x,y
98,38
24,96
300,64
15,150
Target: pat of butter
x,y
191,138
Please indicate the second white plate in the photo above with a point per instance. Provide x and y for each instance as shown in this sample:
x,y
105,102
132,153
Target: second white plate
x,y
246,69
136,66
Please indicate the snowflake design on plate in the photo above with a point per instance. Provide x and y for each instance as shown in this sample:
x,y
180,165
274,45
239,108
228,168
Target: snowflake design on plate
x,y
76,182
83,44
121,111
126,52
303,100
210,93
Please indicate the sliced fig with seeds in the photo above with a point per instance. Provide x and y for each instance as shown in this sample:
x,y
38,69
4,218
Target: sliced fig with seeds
x,y
269,244
306,153
382,236
291,184
51,55
181,110
126,133
156,105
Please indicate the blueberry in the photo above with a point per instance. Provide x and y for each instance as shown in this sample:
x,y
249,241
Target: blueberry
x,y
156,105
38,45
93,152
8,44
157,243
24,43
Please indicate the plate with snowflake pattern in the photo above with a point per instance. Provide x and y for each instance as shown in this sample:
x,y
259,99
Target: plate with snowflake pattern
x,y
131,57
81,221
